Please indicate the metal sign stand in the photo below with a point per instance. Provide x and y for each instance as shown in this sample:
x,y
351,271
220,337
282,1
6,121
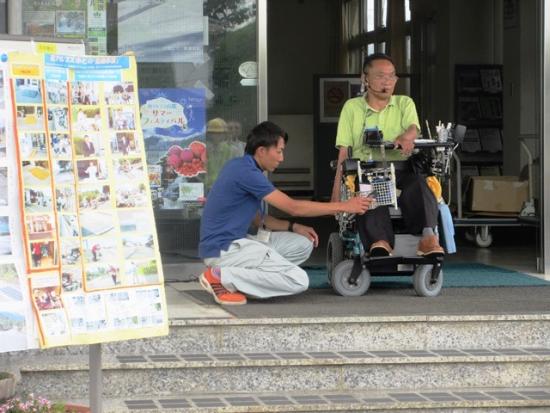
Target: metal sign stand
x,y
96,378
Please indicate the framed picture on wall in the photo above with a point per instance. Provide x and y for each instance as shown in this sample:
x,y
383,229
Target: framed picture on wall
x,y
333,94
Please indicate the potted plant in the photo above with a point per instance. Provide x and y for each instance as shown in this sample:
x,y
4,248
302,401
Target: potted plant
x,y
34,404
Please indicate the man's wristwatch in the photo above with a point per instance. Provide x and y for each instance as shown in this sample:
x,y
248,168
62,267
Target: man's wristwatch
x,y
290,225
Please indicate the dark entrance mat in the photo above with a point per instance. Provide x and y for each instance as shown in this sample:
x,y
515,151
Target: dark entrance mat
x,y
456,274
398,301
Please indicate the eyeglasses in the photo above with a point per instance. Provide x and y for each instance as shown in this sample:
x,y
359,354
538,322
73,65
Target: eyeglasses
x,y
380,76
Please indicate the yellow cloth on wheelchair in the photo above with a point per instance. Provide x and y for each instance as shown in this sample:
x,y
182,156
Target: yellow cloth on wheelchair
x,y
435,186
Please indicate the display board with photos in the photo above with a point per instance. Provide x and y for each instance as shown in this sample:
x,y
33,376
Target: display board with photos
x,y
88,231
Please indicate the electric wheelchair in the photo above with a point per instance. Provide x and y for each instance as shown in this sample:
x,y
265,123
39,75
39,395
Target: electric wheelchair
x,y
348,265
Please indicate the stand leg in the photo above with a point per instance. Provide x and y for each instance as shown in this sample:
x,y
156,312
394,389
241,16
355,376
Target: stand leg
x,y
96,379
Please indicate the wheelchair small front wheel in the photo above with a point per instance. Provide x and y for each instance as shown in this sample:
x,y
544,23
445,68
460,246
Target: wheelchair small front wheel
x,y
424,284
335,253
340,280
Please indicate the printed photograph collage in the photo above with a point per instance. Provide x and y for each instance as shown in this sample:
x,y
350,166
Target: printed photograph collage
x,y
88,224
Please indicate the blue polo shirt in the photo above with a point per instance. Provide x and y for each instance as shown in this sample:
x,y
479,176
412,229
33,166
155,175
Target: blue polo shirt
x,y
232,204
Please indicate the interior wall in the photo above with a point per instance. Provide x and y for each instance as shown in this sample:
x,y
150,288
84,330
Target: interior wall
x,y
302,41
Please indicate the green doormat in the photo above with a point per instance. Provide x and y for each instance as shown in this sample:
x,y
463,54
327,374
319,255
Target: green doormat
x,y
454,275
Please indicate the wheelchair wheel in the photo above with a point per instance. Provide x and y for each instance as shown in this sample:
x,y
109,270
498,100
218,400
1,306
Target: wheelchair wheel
x,y
340,280
423,283
335,253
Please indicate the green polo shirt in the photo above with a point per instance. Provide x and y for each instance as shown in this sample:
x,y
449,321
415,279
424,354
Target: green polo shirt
x,y
393,120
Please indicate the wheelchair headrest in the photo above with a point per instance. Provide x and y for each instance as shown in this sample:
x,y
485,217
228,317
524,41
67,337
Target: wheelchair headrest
x,y
458,133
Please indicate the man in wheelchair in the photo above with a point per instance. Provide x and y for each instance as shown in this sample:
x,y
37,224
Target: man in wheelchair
x,y
379,110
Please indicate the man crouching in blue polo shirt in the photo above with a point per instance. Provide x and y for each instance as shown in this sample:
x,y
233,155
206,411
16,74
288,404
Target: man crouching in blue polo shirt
x,y
264,265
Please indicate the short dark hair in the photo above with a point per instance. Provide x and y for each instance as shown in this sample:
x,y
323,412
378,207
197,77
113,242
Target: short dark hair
x,y
264,134
375,56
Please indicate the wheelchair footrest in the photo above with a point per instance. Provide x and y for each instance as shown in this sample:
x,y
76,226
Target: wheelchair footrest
x,y
376,262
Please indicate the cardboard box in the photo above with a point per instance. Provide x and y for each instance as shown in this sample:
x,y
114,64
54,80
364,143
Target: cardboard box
x,y
500,194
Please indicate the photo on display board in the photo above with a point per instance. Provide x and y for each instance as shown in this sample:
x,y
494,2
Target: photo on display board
x,y
2,139
128,169
56,92
63,172
32,145
70,252
47,298
65,198
36,173
28,91
91,170
38,199
121,118
131,195
135,221
5,237
2,97
84,93
124,143
3,186
100,249
55,323
119,93
86,119
96,223
10,289
141,272
40,227
94,197
61,145
58,119
138,246
68,226
88,145
30,117
102,275
71,279
43,254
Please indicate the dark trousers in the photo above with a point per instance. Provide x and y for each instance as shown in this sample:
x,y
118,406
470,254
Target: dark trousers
x,y
418,207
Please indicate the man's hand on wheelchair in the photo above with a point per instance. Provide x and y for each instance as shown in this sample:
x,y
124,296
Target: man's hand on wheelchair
x,y
405,141
307,232
358,204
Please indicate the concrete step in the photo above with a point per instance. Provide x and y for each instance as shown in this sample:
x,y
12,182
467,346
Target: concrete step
x,y
444,400
318,334
337,370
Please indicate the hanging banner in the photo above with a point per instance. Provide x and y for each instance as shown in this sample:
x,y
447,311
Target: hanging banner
x,y
90,243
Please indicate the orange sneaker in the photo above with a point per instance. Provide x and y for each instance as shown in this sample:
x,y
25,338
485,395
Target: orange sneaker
x,y
221,294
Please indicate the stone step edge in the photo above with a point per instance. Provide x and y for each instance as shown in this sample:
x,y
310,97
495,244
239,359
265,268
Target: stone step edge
x,y
334,401
281,359
222,321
